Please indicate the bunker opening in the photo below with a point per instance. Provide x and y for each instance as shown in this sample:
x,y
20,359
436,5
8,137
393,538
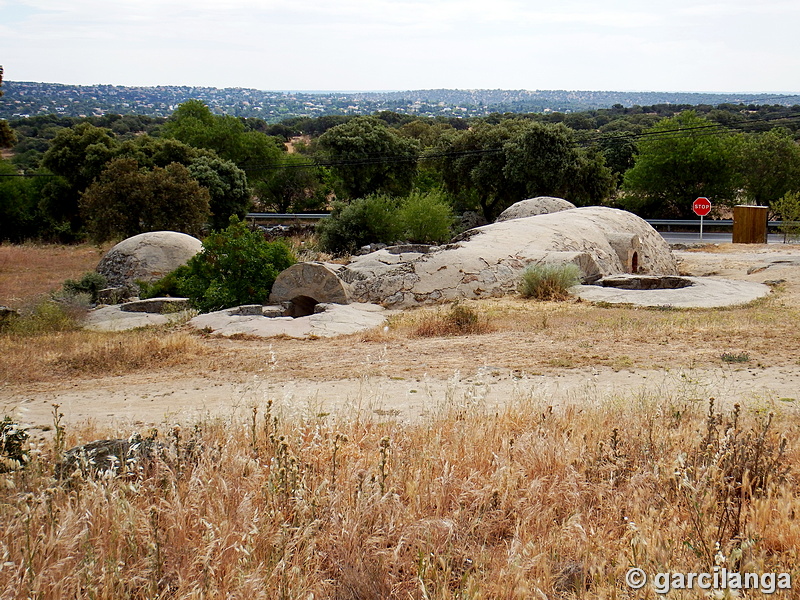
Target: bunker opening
x,y
301,306
645,282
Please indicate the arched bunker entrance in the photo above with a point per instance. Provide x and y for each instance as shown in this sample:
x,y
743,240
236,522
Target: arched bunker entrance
x,y
301,306
304,285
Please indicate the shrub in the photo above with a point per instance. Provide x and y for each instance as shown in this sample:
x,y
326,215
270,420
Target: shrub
x,y
788,209
169,285
549,281
420,218
459,320
368,220
236,266
91,283
426,218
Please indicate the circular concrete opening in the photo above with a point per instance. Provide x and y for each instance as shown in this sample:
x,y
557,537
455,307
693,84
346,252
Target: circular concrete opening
x,y
645,282
302,306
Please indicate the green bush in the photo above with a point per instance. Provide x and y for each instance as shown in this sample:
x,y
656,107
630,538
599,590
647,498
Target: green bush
x,y
368,220
426,218
788,209
91,283
236,266
169,285
420,218
549,281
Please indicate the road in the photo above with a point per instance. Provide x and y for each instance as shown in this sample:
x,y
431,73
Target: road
x,y
693,237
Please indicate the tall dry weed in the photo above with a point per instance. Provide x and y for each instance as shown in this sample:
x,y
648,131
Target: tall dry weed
x,y
531,501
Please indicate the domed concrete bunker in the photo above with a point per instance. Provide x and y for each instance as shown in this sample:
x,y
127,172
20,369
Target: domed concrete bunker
x,y
484,262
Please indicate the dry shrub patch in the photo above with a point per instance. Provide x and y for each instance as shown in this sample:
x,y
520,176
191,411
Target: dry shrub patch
x,y
529,502
549,281
459,319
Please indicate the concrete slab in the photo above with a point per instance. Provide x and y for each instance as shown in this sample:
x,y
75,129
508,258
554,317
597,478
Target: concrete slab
x,y
113,318
704,292
335,319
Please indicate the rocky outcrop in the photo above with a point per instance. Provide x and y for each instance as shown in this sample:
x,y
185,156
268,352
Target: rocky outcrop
x,y
147,257
117,457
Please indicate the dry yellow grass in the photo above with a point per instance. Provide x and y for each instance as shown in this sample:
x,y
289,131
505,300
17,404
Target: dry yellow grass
x,y
533,337
525,503
70,354
520,502
30,271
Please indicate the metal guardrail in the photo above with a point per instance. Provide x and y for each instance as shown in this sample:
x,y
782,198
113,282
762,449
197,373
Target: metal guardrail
x,y
286,216
668,223
687,223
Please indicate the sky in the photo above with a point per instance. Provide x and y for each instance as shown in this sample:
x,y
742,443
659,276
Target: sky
x,y
361,45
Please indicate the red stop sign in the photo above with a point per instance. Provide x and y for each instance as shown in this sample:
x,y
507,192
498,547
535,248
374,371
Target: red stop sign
x,y
701,207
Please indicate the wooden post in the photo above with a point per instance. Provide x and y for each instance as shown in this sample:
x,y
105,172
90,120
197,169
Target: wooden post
x,y
750,224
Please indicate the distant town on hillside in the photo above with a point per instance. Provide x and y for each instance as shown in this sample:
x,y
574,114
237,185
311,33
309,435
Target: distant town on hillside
x,y
27,99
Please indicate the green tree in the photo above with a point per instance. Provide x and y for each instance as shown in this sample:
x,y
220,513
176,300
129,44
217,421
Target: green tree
x,y
543,160
152,152
194,124
770,166
680,159
367,157
788,210
78,155
497,165
472,166
127,200
225,182
7,136
18,206
295,185
236,266
227,187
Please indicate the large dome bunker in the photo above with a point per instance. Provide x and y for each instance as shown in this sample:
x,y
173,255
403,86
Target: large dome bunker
x,y
147,257
484,262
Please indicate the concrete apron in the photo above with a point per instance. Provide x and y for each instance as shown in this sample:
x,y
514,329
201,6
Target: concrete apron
x,y
702,292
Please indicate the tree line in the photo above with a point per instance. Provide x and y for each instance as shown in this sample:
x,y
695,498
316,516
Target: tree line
x,y
113,176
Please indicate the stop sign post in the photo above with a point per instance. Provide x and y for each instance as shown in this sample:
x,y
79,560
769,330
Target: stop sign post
x,y
701,207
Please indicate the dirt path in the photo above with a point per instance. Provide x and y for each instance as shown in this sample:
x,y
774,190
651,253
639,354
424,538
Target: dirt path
x,y
386,375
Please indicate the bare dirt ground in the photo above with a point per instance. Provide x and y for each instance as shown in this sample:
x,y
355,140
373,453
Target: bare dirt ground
x,y
561,352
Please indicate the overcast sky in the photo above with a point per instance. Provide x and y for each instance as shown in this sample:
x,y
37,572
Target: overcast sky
x,y
621,45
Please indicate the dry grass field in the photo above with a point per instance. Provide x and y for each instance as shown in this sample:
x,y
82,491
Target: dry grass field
x,y
492,491
28,272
